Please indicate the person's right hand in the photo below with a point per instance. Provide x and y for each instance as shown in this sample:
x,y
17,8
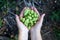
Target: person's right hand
x,y
35,30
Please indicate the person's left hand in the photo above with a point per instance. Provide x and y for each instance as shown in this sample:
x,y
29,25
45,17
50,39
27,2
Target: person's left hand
x,y
23,30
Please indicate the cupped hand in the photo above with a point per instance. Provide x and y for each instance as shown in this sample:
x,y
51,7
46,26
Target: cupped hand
x,y
20,25
37,26
35,30
39,23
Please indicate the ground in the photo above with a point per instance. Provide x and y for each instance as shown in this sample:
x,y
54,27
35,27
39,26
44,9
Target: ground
x,y
51,25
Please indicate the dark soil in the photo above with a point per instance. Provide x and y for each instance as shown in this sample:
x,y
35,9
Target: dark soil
x,y
9,28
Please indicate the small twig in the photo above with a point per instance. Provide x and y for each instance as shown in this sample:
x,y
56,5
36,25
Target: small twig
x,y
25,2
46,33
7,22
2,30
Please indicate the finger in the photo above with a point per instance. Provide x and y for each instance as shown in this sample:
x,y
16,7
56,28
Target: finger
x,y
32,8
22,12
19,23
18,20
39,23
35,10
41,19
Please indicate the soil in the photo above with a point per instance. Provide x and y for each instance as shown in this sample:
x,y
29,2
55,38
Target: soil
x,y
9,29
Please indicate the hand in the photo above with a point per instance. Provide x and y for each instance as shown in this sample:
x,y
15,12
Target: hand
x,y
20,25
23,30
38,25
35,30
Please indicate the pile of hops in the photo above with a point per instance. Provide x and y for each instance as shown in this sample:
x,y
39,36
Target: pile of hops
x,y
29,18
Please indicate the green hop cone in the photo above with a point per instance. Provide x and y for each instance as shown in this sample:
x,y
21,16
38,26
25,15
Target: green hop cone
x,y
30,18
26,12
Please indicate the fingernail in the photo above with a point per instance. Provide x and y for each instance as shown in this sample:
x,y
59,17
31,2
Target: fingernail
x,y
16,15
43,15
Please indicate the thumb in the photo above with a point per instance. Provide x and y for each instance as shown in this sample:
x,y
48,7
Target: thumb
x,y
39,23
41,19
18,20
19,23
22,12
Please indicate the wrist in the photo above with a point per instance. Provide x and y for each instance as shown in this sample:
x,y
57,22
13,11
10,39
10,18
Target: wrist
x,y
36,35
23,35
23,31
